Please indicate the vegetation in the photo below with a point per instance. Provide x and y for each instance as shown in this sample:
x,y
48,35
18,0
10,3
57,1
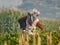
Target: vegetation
x,y
9,30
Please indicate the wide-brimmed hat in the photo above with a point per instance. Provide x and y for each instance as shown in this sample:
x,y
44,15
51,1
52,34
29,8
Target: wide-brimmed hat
x,y
33,11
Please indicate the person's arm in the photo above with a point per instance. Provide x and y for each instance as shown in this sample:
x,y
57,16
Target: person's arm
x,y
39,25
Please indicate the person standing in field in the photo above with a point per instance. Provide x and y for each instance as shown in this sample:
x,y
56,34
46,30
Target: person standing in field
x,y
30,22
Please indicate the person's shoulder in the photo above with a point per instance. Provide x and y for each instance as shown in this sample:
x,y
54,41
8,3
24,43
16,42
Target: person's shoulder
x,y
24,17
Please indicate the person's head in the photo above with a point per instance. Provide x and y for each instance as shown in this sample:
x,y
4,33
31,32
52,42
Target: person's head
x,y
33,15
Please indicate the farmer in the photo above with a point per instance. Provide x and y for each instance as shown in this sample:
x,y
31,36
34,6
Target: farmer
x,y
30,22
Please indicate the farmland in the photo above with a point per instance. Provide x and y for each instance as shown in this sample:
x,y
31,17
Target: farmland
x,y
9,30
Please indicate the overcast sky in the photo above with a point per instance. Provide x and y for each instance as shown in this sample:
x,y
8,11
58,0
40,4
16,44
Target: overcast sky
x,y
8,3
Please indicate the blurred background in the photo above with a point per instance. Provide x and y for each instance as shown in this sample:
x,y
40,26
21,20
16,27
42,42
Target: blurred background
x,y
48,8
12,10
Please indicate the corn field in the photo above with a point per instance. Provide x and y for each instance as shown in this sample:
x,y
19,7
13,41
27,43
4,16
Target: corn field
x,y
36,39
10,33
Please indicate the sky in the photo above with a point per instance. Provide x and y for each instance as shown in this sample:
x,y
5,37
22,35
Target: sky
x,y
10,3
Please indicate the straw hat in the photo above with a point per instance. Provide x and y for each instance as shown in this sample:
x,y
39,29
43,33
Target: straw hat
x,y
34,11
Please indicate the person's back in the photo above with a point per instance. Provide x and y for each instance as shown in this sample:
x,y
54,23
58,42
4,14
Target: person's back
x,y
22,22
